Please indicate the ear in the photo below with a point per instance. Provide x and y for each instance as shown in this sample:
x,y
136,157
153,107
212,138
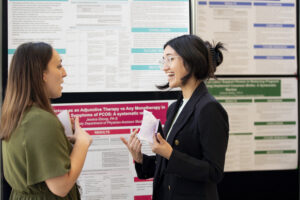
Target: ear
x,y
45,76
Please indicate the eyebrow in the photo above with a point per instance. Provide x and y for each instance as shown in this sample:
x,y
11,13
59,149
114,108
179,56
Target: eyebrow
x,y
170,54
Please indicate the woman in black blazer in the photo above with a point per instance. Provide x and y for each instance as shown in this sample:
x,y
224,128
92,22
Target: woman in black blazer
x,y
190,153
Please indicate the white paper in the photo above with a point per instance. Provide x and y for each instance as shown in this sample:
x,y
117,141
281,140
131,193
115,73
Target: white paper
x,y
149,127
64,118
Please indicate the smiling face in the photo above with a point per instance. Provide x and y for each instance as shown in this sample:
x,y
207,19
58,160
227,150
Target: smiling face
x,y
173,67
53,76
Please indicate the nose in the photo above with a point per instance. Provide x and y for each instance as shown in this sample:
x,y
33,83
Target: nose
x,y
64,73
165,67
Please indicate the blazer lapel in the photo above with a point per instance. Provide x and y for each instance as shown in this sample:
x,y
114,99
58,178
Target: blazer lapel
x,y
180,122
172,114
186,112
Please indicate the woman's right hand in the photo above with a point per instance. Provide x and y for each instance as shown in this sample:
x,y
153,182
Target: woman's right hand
x,y
81,135
134,146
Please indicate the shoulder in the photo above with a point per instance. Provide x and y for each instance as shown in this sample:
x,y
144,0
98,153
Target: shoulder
x,y
41,121
36,114
171,107
209,105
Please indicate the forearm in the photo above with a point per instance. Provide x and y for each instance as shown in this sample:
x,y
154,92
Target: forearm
x,y
77,158
61,185
147,168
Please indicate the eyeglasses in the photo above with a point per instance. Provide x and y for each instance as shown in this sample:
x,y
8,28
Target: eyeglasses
x,y
168,60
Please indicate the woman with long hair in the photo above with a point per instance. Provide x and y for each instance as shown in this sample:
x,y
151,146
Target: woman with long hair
x,y
38,160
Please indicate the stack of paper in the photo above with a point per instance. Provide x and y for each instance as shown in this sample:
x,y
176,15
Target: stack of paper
x,y
64,118
149,127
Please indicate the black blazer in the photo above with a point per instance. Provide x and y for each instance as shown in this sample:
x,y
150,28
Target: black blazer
x,y
199,139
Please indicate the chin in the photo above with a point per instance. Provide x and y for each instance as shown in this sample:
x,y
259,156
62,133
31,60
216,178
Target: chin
x,y
56,96
173,85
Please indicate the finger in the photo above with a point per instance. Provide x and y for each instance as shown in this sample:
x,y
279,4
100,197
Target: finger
x,y
132,135
154,145
160,138
154,140
136,144
135,131
73,123
70,137
77,125
124,141
140,147
133,143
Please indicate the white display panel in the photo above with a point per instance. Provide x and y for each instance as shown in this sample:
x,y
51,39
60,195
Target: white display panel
x,y
263,119
108,172
260,35
111,45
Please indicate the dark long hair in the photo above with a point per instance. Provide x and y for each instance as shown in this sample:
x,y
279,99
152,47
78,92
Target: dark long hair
x,y
200,58
25,85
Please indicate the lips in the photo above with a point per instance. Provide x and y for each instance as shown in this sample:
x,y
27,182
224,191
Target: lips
x,y
170,75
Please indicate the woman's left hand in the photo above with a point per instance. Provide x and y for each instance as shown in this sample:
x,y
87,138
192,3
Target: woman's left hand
x,y
72,139
161,146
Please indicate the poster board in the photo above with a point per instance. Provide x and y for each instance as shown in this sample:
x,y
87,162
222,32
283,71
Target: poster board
x,y
108,172
261,36
263,119
106,46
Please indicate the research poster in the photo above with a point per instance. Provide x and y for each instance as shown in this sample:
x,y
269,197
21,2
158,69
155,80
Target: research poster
x,y
263,119
108,172
111,45
260,36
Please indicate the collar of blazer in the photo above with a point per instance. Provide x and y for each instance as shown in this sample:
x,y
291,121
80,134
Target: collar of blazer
x,y
185,113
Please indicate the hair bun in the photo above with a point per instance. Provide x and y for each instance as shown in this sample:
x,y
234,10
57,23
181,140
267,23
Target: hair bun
x,y
216,53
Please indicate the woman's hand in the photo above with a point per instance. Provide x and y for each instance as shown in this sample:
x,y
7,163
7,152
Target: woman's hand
x,y
134,146
80,134
161,147
72,138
